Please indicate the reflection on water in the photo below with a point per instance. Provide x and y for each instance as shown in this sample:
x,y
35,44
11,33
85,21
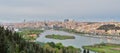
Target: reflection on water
x,y
78,42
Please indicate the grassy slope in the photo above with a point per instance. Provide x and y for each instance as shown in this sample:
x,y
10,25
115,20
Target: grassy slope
x,y
26,32
107,48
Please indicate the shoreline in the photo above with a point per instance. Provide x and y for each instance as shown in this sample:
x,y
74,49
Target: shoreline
x,y
114,37
59,37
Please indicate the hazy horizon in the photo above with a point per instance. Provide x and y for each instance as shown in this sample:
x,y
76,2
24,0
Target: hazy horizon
x,y
58,18
58,10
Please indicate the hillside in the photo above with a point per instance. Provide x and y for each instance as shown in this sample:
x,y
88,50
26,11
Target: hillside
x,y
12,42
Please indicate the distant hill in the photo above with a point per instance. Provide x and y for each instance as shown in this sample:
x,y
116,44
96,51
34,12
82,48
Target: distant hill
x,y
108,27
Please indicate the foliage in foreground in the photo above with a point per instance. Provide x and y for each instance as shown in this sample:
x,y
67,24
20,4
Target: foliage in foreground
x,y
27,33
12,42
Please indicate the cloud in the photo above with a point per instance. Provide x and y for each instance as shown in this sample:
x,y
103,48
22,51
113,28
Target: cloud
x,y
59,7
24,11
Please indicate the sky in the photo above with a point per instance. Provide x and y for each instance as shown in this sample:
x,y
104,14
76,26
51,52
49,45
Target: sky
x,y
80,10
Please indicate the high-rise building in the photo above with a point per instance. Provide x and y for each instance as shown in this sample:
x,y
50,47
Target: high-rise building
x,y
67,20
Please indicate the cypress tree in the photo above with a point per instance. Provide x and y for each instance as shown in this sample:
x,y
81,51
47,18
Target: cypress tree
x,y
84,51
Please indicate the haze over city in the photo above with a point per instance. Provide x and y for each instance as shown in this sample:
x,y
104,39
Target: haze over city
x,y
59,26
58,10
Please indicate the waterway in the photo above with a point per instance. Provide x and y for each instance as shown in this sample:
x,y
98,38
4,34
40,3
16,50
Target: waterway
x,y
79,40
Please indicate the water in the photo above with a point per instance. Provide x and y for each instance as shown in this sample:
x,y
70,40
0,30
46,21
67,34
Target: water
x,y
78,42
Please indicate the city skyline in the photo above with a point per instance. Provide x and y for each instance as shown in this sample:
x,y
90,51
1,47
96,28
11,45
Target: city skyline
x,y
58,18
59,26
79,10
